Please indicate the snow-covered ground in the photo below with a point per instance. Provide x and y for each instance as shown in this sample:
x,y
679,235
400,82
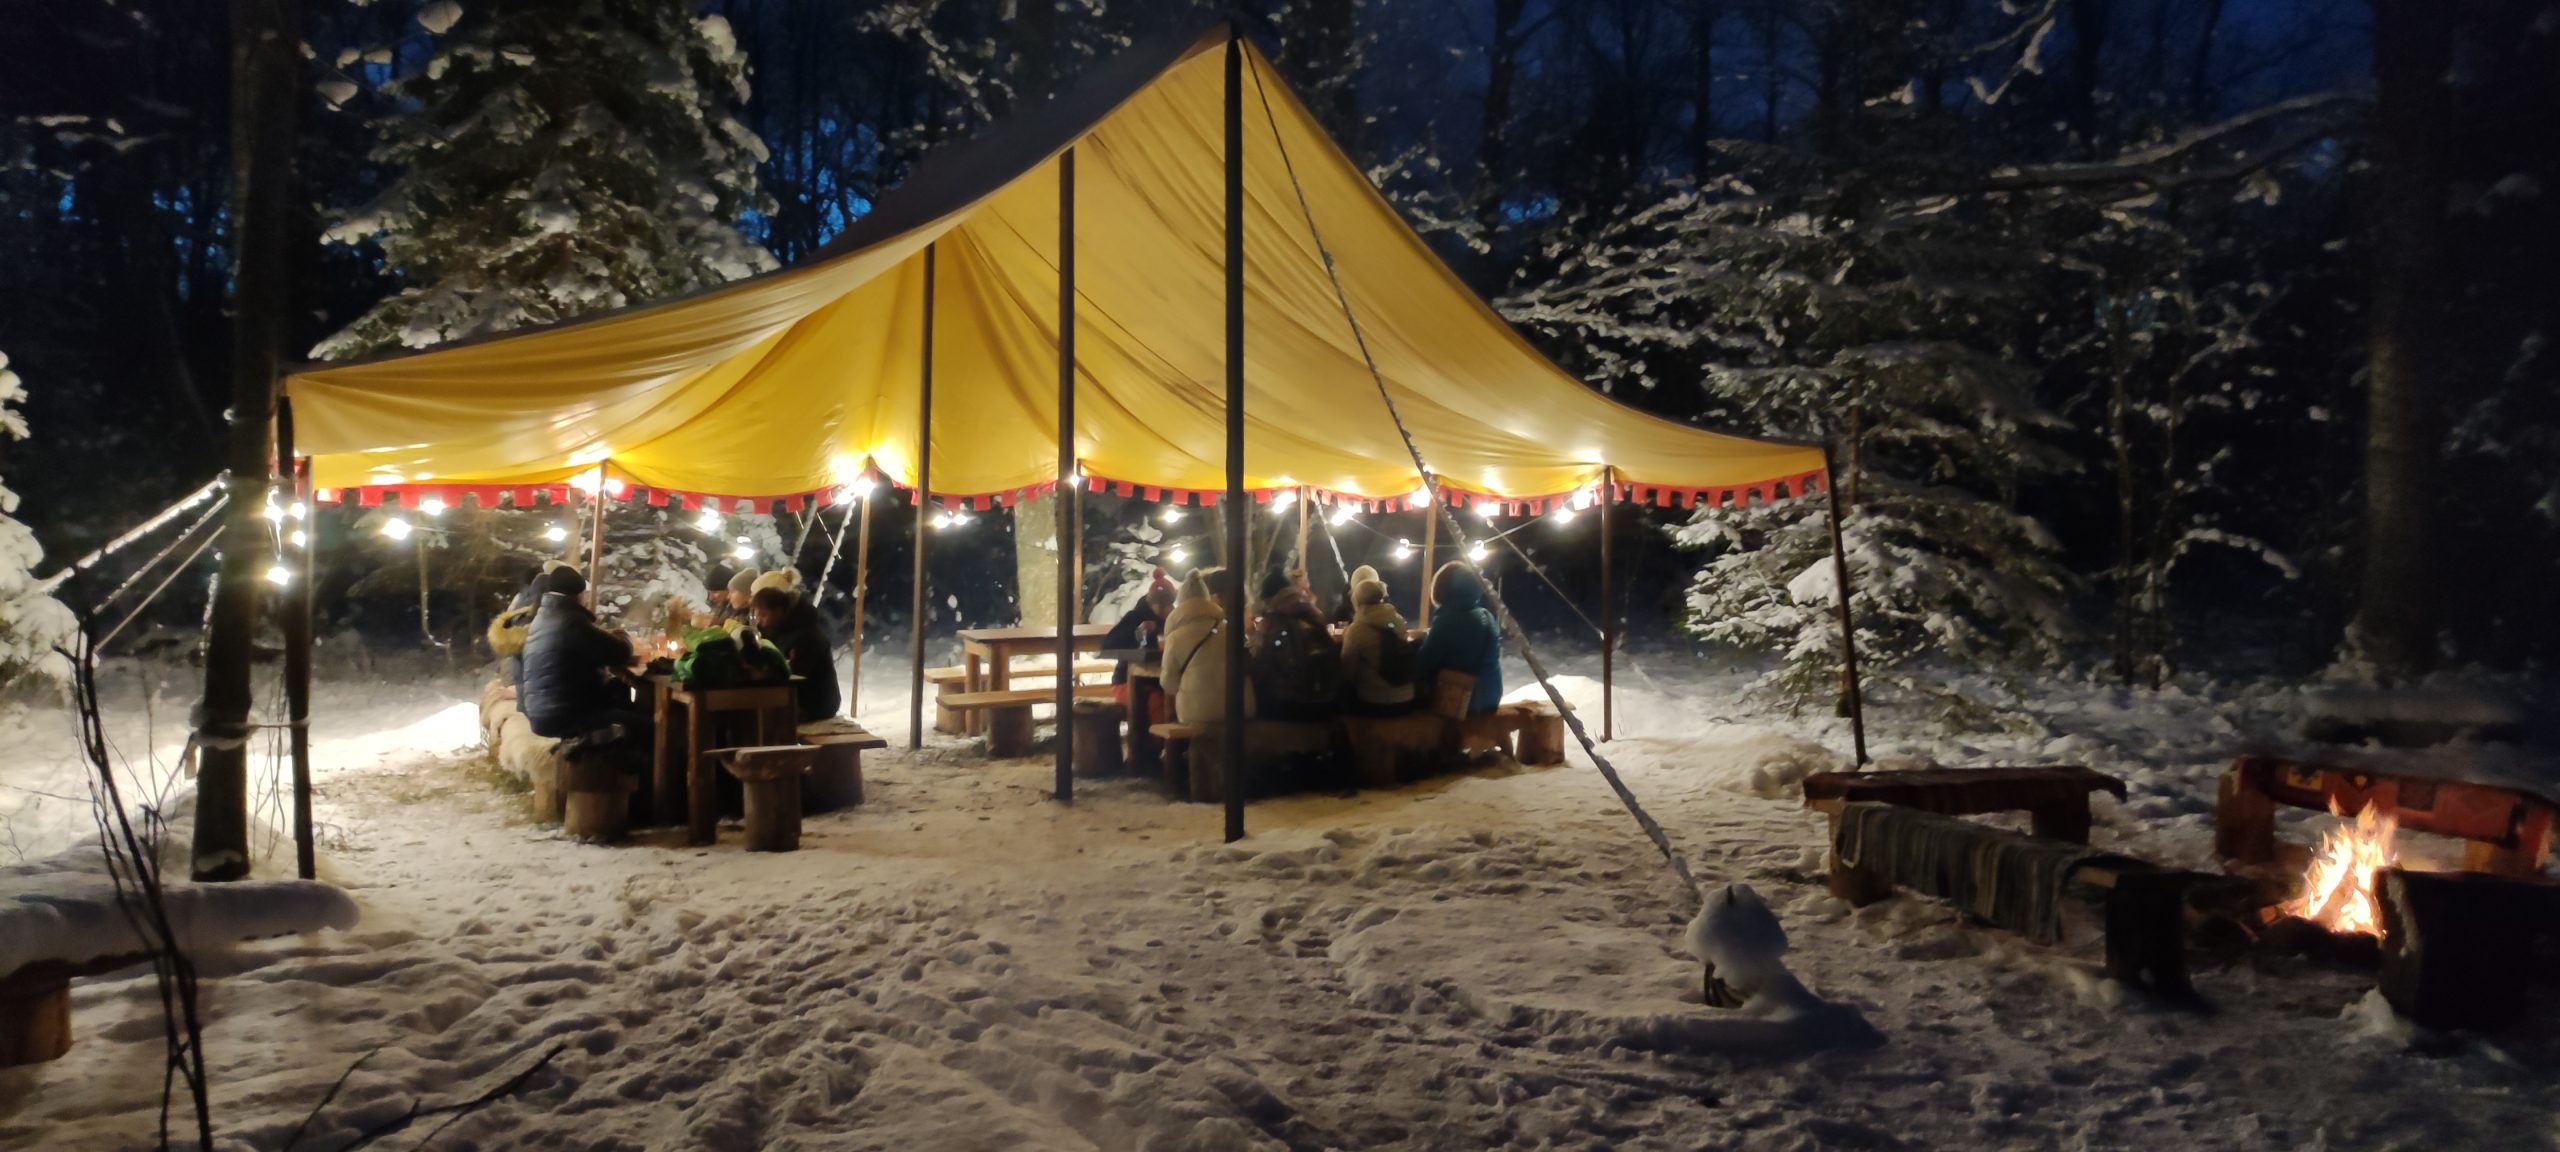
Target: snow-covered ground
x,y
1494,960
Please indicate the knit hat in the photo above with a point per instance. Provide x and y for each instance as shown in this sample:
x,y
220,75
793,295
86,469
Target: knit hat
x,y
1275,584
1195,586
717,579
784,579
564,580
743,581
1367,592
1156,578
1363,572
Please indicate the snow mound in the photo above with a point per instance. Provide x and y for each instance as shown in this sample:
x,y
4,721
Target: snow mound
x,y
77,918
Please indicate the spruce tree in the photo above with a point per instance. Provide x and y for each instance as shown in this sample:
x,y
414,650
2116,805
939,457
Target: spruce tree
x,y
32,622
557,158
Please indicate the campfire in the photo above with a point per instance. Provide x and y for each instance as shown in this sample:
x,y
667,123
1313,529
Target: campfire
x,y
2338,887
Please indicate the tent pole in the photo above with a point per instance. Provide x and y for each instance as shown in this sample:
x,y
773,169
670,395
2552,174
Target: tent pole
x,y
297,654
1608,613
924,512
1303,565
1848,623
595,547
861,604
1430,540
1070,578
1231,758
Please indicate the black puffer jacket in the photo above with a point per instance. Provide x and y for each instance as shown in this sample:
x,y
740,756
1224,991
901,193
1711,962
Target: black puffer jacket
x,y
567,660
809,646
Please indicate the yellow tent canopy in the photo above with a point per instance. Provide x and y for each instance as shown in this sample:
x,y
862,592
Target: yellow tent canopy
x,y
792,384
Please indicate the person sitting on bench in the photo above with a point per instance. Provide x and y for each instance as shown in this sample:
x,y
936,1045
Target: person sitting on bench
x,y
1297,668
1195,649
1377,658
1464,637
1142,622
570,660
784,615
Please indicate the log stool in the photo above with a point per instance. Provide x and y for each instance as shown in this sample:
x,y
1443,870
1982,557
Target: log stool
x,y
1095,730
1390,749
543,768
1177,740
1541,732
35,1019
835,781
771,780
598,791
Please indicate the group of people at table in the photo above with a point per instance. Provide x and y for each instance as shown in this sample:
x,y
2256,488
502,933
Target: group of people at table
x,y
574,677
1303,663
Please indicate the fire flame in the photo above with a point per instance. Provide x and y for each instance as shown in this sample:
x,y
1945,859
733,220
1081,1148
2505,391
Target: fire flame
x,y
2337,891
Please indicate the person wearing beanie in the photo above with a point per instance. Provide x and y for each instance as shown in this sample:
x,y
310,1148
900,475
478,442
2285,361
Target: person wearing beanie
x,y
1296,666
1349,609
1195,649
1464,637
792,623
1130,633
569,661
742,588
1377,657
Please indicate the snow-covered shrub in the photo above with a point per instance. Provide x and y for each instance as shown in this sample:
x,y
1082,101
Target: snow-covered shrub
x,y
32,622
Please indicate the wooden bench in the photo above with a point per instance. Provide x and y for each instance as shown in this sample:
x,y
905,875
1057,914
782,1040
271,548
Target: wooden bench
x,y
2057,798
835,781
1195,754
2506,832
770,778
1176,760
953,680
1008,713
2144,906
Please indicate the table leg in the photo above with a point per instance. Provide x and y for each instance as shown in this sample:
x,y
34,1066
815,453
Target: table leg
x,y
666,796
999,679
1144,755
973,669
702,798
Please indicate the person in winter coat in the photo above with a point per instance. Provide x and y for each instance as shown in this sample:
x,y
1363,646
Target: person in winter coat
x,y
1349,609
1195,649
1142,619
742,591
1378,660
1297,668
785,616
1464,637
716,608
569,662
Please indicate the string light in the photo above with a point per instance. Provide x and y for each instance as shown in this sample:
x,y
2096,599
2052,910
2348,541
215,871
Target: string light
x,y
1342,514
942,520
300,538
298,510
961,519
396,528
1564,515
1476,552
432,506
709,521
556,533
862,486
1486,511
1172,514
275,511
1177,555
1404,549
1582,500
1281,502
746,549
279,575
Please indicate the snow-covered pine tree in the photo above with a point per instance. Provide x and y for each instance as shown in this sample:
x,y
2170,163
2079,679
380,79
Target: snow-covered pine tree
x,y
31,621
557,157
1889,327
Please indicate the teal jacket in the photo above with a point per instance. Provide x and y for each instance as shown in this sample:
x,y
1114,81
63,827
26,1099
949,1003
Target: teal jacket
x,y
1465,638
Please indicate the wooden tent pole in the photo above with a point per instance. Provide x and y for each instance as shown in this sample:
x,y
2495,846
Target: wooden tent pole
x,y
595,547
1303,566
924,512
1608,613
1070,578
861,603
1231,759
297,650
1430,542
1852,695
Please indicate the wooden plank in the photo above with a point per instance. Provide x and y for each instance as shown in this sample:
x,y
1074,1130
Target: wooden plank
x,y
1019,697
1030,635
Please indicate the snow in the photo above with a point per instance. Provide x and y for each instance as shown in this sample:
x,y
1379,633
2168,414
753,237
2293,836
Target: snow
x,y
75,918
1495,959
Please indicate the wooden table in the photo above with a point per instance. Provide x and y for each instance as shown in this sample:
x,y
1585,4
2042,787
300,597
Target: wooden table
x,y
2057,797
685,780
989,653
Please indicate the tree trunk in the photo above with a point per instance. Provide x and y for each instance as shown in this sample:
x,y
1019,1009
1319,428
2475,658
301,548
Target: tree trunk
x,y
2395,625
1035,560
266,72
1702,101
1501,71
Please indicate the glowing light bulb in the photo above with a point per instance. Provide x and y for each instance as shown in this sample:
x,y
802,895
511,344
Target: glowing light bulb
x,y
1565,514
396,528
1404,549
300,538
1177,555
941,519
1421,496
744,551
1342,514
1280,503
1172,514
1486,511
1477,551
961,519
1582,500
432,506
298,510
615,488
279,575
274,512
862,486
709,521
556,533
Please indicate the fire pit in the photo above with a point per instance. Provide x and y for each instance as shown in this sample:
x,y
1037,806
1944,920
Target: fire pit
x,y
2508,829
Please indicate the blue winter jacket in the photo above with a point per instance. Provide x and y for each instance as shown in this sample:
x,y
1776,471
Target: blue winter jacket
x,y
567,659
1464,638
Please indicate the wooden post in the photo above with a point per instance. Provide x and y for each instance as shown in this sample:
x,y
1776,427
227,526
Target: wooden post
x,y
1302,565
1430,544
595,548
297,650
861,603
924,511
1848,620
1608,613
1231,763
1070,578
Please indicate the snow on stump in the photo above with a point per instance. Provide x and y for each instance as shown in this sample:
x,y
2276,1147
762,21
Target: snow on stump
x,y
1541,732
770,777
1095,731
835,781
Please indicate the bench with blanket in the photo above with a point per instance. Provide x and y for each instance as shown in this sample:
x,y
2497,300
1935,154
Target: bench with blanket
x,y
2018,882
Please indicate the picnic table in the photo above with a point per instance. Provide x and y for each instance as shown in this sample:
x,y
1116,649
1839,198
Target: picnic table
x,y
989,653
2057,797
686,780
1146,676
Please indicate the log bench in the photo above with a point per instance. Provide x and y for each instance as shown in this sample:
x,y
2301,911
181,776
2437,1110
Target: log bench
x,y
835,780
770,778
2056,798
1008,717
2143,905
954,680
2458,948
1195,754
2506,832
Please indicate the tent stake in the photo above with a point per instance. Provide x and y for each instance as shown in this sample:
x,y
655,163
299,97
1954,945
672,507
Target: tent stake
x,y
1070,575
1848,622
924,512
1231,760
1608,613
297,655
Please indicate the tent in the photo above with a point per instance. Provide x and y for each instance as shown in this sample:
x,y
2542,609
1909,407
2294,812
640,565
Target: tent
x,y
1225,303
787,385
